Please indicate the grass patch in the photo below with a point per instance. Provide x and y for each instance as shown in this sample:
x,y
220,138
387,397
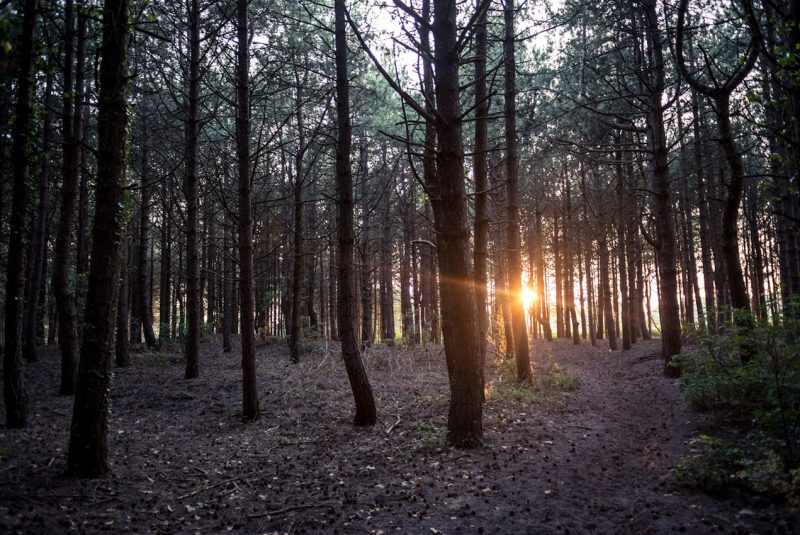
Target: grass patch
x,y
548,381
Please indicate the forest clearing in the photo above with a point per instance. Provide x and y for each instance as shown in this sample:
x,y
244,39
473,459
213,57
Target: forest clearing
x,y
596,459
435,266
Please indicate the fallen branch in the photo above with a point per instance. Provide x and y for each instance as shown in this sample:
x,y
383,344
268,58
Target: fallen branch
x,y
209,487
391,427
289,508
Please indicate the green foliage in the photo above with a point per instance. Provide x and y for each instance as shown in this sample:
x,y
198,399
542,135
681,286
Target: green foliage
x,y
547,380
430,436
751,377
719,465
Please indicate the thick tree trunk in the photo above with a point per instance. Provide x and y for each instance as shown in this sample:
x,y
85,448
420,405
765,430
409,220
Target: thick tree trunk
x,y
449,200
250,408
662,199
356,372
88,452
14,395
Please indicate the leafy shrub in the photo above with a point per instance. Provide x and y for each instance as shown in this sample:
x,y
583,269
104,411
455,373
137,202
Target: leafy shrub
x,y
751,377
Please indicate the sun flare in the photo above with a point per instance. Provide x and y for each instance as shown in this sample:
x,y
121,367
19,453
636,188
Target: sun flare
x,y
528,297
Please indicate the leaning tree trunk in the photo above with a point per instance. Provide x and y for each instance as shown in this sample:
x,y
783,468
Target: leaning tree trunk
x,y
88,450
356,372
14,395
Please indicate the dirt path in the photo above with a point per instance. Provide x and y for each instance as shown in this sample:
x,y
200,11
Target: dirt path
x,y
596,460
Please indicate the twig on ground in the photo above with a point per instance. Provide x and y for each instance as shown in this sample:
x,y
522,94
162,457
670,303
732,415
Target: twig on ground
x,y
217,484
288,508
395,424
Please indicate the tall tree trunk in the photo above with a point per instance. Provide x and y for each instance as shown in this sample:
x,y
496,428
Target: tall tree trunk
x,y
365,271
227,289
65,297
449,200
386,272
88,451
662,198
356,372
705,232
543,316
165,271
14,394
38,245
143,268
480,172
621,262
605,287
122,337
720,94
192,128
250,407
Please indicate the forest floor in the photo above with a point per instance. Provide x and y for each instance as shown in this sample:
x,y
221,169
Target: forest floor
x,y
594,460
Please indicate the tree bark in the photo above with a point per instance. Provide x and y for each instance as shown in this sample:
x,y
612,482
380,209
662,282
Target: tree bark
x,y
72,138
518,323
88,451
366,413
480,172
250,408
449,200
14,394
38,246
192,129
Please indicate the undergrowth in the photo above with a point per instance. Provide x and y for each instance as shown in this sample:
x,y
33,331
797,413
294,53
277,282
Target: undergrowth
x,y
547,380
750,378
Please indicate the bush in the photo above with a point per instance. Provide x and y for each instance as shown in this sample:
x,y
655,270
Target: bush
x,y
751,378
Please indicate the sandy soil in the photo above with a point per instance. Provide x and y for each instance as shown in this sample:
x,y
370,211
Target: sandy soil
x,y
596,460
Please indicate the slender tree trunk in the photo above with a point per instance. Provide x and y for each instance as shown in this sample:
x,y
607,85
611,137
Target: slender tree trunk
x,y
605,288
65,297
14,394
621,261
88,451
192,128
480,172
227,290
250,406
38,246
122,338
143,267
165,269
